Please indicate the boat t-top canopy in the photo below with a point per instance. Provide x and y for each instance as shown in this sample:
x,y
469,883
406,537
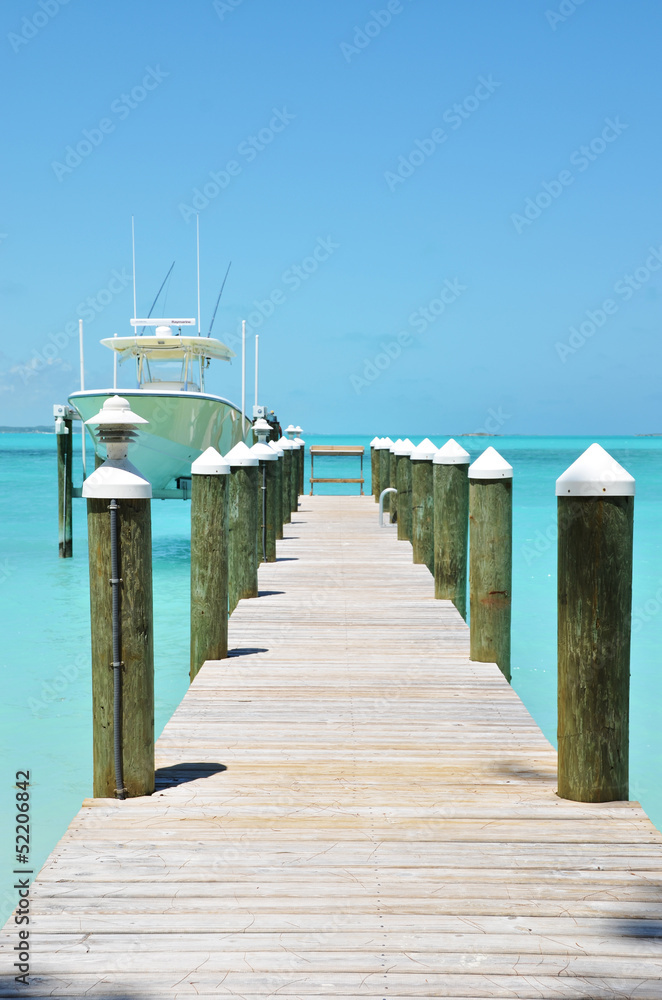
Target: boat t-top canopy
x,y
168,347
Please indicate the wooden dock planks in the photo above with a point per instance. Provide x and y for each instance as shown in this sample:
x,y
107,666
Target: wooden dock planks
x,y
348,806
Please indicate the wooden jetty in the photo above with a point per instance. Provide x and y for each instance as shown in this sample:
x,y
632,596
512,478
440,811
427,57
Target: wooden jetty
x,y
349,807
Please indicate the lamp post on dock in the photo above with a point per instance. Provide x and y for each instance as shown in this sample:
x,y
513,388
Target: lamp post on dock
x,y
120,554
210,474
490,559
595,523
451,523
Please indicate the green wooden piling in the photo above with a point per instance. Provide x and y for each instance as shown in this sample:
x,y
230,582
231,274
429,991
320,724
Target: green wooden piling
x,y
595,531
385,471
137,656
288,462
209,559
422,504
243,519
451,524
403,486
375,449
490,559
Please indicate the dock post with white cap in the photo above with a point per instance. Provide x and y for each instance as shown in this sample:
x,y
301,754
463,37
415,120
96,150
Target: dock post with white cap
x,y
243,524
490,559
302,457
422,503
278,486
64,438
120,557
595,524
374,469
385,471
289,465
392,466
401,457
268,483
451,523
210,475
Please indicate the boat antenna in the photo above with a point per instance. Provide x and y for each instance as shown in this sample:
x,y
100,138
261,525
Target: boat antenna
x,y
133,245
219,298
197,229
142,330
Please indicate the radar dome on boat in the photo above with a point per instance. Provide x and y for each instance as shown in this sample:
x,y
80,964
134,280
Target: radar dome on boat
x,y
163,331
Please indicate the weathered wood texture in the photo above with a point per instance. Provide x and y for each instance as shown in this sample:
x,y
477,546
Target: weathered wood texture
x,y
595,610
288,465
210,544
387,824
451,532
403,486
243,519
65,490
385,475
271,508
422,513
278,498
490,569
374,472
392,473
137,645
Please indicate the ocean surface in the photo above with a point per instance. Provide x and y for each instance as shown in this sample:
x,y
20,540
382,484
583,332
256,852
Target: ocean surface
x,y
45,704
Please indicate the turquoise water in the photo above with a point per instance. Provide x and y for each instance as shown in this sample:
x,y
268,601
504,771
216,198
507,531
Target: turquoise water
x,y
45,709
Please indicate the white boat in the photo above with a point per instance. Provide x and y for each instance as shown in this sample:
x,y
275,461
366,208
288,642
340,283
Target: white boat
x,y
183,419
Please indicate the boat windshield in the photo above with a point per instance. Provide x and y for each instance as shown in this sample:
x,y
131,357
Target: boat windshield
x,y
178,374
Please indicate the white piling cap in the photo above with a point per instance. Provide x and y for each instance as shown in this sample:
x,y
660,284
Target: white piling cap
x,y
490,465
286,443
381,443
240,455
395,443
210,463
595,474
298,430
276,447
117,479
452,453
424,452
300,442
386,442
403,447
116,412
263,452
375,441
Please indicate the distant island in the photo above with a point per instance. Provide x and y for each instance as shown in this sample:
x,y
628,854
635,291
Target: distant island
x,y
40,429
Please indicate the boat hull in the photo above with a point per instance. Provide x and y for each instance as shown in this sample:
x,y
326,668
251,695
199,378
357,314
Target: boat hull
x,y
181,425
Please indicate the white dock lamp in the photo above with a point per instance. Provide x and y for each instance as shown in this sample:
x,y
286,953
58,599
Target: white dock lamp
x,y
262,429
117,478
291,431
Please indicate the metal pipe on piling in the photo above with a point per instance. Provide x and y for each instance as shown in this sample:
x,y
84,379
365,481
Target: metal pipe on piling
x,y
451,523
490,559
64,439
422,503
595,527
210,483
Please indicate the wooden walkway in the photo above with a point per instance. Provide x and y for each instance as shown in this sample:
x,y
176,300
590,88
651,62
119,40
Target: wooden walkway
x,y
349,807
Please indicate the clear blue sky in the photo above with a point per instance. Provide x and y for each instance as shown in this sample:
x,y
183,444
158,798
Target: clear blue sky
x,y
389,151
